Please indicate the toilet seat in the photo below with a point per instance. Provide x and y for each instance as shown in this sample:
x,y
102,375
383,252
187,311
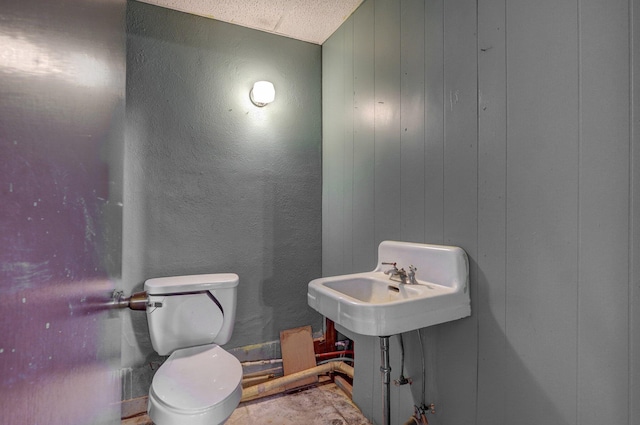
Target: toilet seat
x,y
194,386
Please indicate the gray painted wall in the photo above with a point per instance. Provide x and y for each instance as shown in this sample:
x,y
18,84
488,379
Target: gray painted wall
x,y
509,129
214,183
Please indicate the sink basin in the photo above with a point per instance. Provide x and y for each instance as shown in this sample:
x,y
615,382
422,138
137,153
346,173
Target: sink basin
x,y
374,289
371,303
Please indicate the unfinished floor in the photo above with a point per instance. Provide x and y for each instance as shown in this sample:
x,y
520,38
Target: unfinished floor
x,y
321,405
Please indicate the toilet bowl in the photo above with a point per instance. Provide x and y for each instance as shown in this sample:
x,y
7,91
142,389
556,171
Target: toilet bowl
x,y
189,316
196,386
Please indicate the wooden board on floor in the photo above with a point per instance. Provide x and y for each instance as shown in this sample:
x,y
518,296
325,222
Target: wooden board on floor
x,y
133,407
297,353
137,420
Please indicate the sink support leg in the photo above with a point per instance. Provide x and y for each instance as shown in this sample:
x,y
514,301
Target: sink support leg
x,y
385,368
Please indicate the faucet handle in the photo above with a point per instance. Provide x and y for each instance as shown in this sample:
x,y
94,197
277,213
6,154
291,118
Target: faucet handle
x,y
412,274
391,271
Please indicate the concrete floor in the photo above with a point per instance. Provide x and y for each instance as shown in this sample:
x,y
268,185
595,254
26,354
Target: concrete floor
x,y
321,405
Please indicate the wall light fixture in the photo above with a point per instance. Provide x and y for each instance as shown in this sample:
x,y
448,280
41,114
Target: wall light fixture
x,y
262,93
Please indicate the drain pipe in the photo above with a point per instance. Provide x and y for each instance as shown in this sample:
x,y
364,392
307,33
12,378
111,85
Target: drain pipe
x,y
264,389
386,379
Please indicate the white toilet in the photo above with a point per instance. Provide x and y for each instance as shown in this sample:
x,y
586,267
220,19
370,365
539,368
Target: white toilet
x,y
188,316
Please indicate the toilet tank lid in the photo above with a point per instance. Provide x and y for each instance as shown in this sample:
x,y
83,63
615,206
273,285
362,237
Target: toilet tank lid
x,y
191,283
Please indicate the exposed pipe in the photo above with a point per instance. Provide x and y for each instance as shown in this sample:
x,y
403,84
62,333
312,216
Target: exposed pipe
x,y
320,356
386,379
265,389
342,359
261,362
328,341
137,301
401,357
341,353
401,379
424,369
255,380
275,371
418,418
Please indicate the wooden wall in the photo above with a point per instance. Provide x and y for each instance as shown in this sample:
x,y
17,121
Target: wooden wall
x,y
509,129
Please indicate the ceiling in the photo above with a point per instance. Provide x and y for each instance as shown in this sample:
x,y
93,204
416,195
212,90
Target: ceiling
x,y
307,20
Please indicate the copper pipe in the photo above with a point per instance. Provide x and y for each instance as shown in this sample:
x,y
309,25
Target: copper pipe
x,y
138,301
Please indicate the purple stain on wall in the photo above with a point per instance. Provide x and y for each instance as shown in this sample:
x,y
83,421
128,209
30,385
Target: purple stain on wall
x,y
53,284
59,126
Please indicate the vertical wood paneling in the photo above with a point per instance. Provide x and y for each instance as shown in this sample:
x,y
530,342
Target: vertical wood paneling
x,y
542,211
434,167
634,214
534,178
387,121
457,341
603,263
434,122
365,248
460,143
348,154
412,125
332,154
366,380
492,157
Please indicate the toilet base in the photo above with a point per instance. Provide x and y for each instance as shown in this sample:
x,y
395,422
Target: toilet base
x,y
161,414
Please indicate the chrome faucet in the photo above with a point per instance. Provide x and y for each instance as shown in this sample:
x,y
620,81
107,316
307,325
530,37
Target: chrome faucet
x,y
412,275
405,277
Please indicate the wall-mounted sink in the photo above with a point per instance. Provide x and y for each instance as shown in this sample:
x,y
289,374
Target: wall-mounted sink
x,y
371,303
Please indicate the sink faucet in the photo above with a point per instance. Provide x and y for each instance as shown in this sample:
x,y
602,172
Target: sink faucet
x,y
405,277
412,274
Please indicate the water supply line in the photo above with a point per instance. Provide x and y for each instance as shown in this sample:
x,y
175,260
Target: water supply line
x,y
418,418
401,379
334,354
424,369
420,411
137,301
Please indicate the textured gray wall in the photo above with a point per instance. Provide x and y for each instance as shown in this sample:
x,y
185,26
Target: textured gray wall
x,y
509,129
214,183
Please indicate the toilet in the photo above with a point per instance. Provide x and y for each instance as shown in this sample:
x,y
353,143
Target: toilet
x,y
189,318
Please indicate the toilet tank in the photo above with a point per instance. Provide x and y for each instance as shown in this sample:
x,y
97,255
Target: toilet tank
x,y
186,311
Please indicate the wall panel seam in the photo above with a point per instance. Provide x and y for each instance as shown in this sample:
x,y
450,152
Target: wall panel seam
x,y
578,212
477,392
631,223
444,113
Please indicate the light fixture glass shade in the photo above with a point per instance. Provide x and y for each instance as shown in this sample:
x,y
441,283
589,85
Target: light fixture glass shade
x,y
262,93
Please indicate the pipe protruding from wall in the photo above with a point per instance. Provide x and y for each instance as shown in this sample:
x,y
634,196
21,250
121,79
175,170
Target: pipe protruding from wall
x,y
137,301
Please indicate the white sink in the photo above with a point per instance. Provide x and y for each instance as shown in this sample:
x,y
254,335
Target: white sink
x,y
371,303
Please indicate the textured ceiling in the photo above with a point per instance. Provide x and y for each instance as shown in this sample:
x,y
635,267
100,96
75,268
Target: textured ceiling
x,y
307,20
